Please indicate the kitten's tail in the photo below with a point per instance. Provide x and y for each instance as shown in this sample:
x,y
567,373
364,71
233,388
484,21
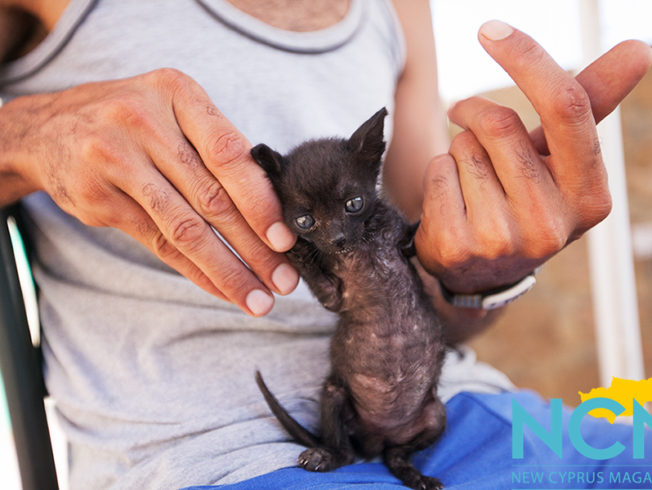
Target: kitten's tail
x,y
294,428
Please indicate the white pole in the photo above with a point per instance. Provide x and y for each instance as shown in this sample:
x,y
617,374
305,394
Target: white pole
x,y
610,252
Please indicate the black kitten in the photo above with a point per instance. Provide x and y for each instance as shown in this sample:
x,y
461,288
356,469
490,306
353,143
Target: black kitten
x,y
387,351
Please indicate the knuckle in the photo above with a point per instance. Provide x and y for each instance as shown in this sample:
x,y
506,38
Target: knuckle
x,y
437,181
548,239
601,207
133,114
96,148
478,166
157,199
595,208
94,192
187,155
187,231
571,103
162,247
437,185
452,251
462,141
142,227
529,168
125,110
168,77
499,122
215,203
227,148
494,240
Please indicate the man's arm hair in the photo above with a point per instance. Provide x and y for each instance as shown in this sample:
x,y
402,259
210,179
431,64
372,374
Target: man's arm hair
x,y
23,24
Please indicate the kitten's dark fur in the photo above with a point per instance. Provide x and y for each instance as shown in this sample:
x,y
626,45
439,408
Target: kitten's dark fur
x,y
387,352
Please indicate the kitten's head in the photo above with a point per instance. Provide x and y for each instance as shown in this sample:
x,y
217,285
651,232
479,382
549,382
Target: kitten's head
x,y
328,186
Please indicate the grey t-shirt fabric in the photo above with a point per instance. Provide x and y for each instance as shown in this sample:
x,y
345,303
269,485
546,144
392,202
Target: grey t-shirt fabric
x,y
152,377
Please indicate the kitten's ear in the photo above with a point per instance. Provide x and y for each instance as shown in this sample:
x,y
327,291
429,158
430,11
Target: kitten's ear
x,y
367,141
267,158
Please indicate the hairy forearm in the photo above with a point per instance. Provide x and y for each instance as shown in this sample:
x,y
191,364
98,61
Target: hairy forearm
x,y
22,24
14,181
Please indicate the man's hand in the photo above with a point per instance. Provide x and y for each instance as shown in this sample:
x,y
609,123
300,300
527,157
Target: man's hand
x,y
503,201
153,156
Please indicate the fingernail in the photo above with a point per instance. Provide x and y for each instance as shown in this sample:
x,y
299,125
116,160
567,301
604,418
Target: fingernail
x,y
285,278
280,237
495,30
259,302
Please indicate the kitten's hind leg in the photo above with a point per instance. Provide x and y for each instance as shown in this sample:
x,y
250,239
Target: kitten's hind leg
x,y
335,449
397,458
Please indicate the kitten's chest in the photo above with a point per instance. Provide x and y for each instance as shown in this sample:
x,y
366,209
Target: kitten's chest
x,y
375,264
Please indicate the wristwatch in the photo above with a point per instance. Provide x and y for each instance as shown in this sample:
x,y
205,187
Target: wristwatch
x,y
493,298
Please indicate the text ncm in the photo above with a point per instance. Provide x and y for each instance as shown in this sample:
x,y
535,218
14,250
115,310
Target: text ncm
x,y
553,438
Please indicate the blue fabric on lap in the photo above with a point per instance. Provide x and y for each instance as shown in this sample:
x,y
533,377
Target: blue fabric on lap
x,y
475,453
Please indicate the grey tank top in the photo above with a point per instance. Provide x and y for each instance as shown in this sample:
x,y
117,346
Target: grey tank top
x,y
152,377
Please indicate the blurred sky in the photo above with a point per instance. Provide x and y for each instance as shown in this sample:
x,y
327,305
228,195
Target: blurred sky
x,y
466,69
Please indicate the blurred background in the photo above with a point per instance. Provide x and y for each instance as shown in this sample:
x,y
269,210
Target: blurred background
x,y
546,340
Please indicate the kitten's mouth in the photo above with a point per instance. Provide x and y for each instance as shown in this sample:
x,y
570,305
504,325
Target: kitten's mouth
x,y
344,251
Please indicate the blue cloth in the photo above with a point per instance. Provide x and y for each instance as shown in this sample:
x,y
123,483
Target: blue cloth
x,y
475,453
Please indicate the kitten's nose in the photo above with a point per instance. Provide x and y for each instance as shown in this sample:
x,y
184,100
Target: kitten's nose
x,y
338,240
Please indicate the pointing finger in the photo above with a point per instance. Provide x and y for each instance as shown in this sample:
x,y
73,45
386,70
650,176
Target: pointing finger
x,y
225,152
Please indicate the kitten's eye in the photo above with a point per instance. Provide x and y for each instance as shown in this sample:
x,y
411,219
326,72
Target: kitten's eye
x,y
354,205
305,222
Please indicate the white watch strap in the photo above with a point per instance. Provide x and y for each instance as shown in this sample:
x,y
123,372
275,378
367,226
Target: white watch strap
x,y
492,299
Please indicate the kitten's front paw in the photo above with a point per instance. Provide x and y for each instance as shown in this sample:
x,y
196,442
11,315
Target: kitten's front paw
x,y
331,300
317,459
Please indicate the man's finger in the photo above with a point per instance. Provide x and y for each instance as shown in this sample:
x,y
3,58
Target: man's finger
x,y
183,231
560,101
225,152
608,80
181,165
502,135
141,227
444,213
